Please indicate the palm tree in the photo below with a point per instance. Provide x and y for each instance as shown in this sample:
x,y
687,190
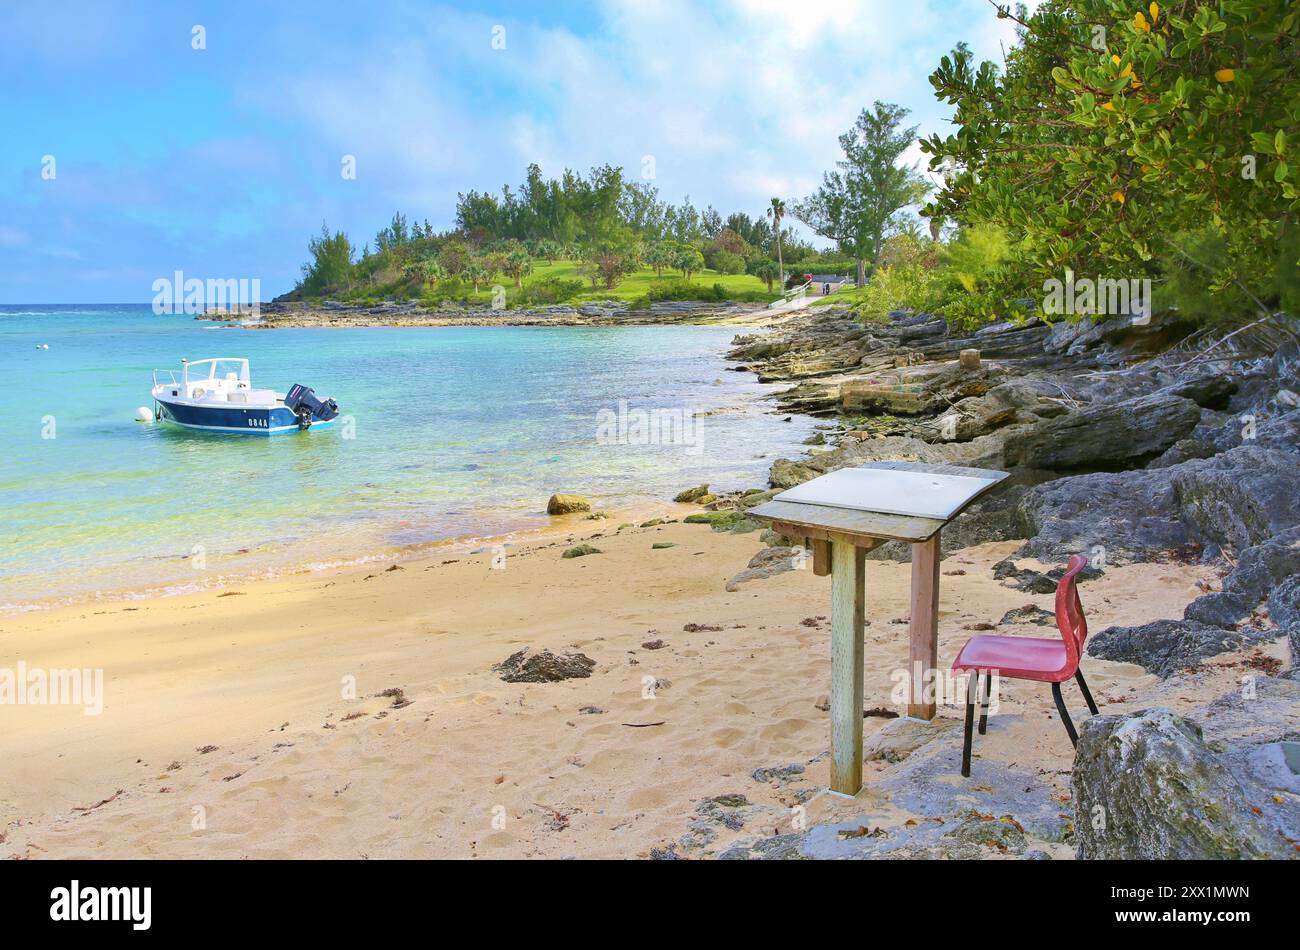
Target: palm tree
x,y
776,211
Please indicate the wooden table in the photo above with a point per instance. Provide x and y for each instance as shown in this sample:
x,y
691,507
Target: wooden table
x,y
840,535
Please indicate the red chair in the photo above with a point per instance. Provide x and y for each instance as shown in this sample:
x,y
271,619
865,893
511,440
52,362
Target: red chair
x,y
1029,658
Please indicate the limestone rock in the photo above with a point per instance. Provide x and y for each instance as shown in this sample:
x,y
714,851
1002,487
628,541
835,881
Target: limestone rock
x,y
1242,497
1284,603
1238,499
1001,834
1134,516
768,563
1220,609
1106,435
1164,647
899,738
1146,787
1269,711
1264,566
567,504
781,774
544,667
1030,613
1182,451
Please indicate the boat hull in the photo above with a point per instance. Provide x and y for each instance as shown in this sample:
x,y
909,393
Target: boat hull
x,y
241,420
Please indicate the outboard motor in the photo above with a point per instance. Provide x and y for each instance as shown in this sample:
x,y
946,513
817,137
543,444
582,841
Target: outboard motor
x,y
302,402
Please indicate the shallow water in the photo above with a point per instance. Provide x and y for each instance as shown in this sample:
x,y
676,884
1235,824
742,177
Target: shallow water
x,y
454,432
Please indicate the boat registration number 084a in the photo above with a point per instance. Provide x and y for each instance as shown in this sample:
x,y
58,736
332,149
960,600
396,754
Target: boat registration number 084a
x,y
258,423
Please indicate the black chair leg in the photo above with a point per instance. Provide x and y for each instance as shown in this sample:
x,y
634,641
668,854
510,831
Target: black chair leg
x,y
1065,713
970,721
1092,707
984,707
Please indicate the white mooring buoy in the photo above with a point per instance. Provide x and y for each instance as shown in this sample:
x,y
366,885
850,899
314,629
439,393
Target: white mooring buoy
x,y
144,414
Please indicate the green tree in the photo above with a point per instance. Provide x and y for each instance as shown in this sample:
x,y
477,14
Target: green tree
x,y
607,262
516,263
688,259
453,258
728,262
548,250
1128,140
768,271
424,269
494,263
395,235
477,273
776,211
660,255
682,223
860,205
330,266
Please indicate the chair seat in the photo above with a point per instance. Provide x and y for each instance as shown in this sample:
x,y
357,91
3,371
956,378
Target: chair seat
x,y
1025,658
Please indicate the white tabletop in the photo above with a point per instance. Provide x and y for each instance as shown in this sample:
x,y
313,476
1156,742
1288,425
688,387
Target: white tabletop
x,y
894,491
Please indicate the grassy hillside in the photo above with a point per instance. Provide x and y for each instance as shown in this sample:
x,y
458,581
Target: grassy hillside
x,y
642,286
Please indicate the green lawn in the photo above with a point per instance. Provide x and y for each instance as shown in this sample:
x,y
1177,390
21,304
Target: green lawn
x,y
633,287
638,284
846,297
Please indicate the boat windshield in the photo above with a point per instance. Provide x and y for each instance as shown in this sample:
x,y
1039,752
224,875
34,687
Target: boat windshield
x,y
222,368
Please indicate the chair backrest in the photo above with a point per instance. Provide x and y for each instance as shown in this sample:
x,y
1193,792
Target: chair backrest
x,y
1069,612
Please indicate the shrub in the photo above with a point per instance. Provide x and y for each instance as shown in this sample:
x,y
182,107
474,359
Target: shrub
x,y
677,289
900,287
1113,133
548,290
725,262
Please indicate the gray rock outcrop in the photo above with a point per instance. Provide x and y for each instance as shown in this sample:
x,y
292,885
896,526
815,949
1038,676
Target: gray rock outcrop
x,y
1147,787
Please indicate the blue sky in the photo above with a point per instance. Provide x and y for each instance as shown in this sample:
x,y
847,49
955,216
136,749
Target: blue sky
x,y
221,162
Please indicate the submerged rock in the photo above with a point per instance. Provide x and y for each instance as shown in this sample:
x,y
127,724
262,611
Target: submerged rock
x,y
544,667
1146,787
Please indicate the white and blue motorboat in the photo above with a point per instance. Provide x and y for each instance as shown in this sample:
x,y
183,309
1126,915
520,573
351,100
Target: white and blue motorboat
x,y
217,395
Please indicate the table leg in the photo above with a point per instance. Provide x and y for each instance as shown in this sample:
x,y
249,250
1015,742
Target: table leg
x,y
848,575
923,652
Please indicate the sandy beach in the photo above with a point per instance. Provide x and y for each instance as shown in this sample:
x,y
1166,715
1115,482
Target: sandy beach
x,y
258,676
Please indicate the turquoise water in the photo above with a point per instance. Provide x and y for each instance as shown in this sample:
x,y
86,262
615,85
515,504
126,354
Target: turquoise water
x,y
459,432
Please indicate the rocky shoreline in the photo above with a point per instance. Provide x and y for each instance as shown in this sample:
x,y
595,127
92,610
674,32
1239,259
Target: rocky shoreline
x,y
1127,443
281,314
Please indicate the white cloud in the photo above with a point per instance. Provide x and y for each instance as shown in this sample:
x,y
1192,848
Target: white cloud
x,y
735,102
